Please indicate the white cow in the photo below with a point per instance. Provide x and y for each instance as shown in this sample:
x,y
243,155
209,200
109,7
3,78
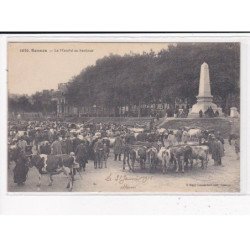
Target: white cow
x,y
200,153
194,133
136,130
98,134
112,141
161,130
19,134
164,158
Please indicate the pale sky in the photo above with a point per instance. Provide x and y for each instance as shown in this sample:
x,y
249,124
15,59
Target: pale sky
x,y
29,71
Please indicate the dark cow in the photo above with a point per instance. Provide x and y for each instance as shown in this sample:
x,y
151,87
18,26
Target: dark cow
x,y
180,155
200,153
138,153
53,165
141,137
152,158
13,152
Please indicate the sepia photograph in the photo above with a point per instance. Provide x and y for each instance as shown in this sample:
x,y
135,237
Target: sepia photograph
x,y
124,117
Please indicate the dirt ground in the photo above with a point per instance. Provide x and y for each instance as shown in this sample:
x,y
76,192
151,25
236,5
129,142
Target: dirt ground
x,y
113,179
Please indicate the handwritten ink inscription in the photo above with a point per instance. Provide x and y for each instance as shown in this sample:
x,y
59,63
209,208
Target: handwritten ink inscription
x,y
128,181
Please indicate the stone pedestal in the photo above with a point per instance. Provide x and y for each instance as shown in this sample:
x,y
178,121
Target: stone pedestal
x,y
204,99
233,112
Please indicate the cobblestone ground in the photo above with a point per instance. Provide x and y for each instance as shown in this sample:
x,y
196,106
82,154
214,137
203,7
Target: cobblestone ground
x,y
113,179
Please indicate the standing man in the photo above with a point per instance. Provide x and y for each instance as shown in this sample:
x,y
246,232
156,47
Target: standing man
x,y
64,146
69,145
219,137
56,147
217,151
26,138
81,155
76,142
222,153
171,139
22,144
151,124
126,151
21,169
178,136
200,114
237,147
184,136
118,147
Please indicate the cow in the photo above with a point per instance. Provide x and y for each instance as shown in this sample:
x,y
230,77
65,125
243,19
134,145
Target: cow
x,y
142,136
110,133
161,130
13,152
164,158
53,165
136,130
194,134
200,153
138,153
152,158
98,134
180,155
19,134
112,141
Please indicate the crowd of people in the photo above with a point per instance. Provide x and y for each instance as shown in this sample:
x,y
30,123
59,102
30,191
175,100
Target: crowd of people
x,y
83,140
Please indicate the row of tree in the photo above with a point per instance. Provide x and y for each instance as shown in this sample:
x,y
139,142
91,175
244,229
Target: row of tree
x,y
117,81
38,102
144,79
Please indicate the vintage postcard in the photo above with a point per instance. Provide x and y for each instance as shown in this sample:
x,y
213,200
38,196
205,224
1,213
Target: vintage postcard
x,y
124,117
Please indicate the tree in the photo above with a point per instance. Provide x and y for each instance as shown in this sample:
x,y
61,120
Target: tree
x,y
143,79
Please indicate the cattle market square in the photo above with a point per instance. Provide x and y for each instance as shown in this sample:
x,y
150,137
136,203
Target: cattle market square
x,y
187,144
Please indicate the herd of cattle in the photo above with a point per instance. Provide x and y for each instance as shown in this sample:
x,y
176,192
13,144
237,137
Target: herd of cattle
x,y
159,148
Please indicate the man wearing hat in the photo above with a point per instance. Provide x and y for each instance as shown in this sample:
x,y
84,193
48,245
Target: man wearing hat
x,y
22,144
81,155
118,147
56,147
217,151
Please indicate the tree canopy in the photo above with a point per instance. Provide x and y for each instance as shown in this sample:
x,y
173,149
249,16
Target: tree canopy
x,y
38,102
135,79
117,81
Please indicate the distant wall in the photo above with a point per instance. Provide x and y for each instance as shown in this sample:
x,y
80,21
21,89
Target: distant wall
x,y
224,125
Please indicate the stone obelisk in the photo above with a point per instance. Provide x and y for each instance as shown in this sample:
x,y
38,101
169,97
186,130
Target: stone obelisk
x,y
204,98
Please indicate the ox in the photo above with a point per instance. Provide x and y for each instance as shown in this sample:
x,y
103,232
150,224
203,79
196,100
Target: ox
x,y
164,157
194,134
53,165
180,155
139,154
200,153
13,152
152,158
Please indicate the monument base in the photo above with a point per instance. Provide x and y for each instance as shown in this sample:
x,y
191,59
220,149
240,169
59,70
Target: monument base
x,y
203,103
234,113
